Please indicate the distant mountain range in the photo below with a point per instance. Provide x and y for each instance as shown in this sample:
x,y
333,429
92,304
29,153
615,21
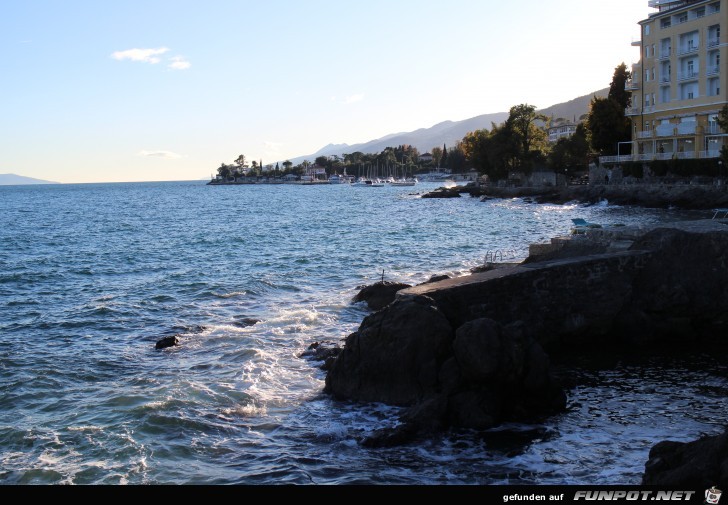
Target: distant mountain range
x,y
12,180
451,132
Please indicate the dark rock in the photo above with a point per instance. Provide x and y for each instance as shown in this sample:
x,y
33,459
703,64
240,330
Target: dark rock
x,y
166,342
437,278
428,416
450,376
481,351
391,437
444,193
379,295
395,356
320,352
246,322
699,464
475,410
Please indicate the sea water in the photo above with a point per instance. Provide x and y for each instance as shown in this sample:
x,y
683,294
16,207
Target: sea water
x,y
91,276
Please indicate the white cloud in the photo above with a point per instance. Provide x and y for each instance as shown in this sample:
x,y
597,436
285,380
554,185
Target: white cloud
x,y
179,63
354,98
144,55
166,155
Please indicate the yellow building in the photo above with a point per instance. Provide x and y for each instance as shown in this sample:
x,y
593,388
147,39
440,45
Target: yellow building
x,y
679,85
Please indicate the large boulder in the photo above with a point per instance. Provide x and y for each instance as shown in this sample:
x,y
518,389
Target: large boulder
x,y
395,356
505,375
379,295
699,464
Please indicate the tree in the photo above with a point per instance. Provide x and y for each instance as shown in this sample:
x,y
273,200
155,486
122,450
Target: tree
x,y
444,161
606,122
617,88
570,153
436,156
456,158
224,171
240,161
287,165
722,121
531,138
322,161
607,125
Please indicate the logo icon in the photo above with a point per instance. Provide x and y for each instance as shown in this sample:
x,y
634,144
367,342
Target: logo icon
x,y
712,496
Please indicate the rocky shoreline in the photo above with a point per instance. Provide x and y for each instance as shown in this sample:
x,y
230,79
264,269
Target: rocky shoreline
x,y
683,196
476,351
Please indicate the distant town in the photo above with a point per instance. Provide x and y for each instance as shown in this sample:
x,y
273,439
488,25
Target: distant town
x,y
665,118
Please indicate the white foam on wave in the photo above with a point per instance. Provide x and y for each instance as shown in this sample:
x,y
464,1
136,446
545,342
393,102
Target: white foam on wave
x,y
248,411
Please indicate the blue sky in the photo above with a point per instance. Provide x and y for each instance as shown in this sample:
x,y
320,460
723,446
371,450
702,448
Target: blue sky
x,y
96,91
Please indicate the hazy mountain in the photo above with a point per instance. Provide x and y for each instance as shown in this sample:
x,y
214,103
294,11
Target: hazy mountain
x,y
12,180
573,108
450,132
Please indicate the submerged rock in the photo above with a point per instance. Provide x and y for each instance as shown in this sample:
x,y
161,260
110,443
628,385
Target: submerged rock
x,y
379,295
699,464
166,342
246,322
321,352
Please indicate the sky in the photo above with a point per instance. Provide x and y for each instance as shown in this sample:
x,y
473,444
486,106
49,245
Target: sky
x,y
154,90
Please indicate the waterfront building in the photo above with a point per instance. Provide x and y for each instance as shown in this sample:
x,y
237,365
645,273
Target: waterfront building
x,y
679,84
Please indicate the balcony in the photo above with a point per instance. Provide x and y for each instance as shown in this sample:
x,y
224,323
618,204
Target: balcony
x,y
648,109
712,70
686,128
663,156
713,129
710,154
645,134
615,159
686,76
665,79
631,85
665,54
688,155
665,130
632,111
713,42
689,49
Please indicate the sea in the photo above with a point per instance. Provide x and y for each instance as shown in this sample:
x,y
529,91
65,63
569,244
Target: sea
x,y
92,275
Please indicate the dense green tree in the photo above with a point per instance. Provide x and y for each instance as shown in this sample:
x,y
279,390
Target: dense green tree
x,y
287,165
617,88
322,161
532,140
436,156
444,160
240,161
570,153
456,158
606,122
606,125
224,171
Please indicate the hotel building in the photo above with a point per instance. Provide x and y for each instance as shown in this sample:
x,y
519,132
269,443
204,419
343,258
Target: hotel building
x,y
680,83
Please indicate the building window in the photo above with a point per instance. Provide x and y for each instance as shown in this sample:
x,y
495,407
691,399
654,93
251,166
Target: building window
x,y
647,29
715,7
665,23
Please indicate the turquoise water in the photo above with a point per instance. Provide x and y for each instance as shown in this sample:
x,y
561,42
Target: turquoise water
x,y
91,276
